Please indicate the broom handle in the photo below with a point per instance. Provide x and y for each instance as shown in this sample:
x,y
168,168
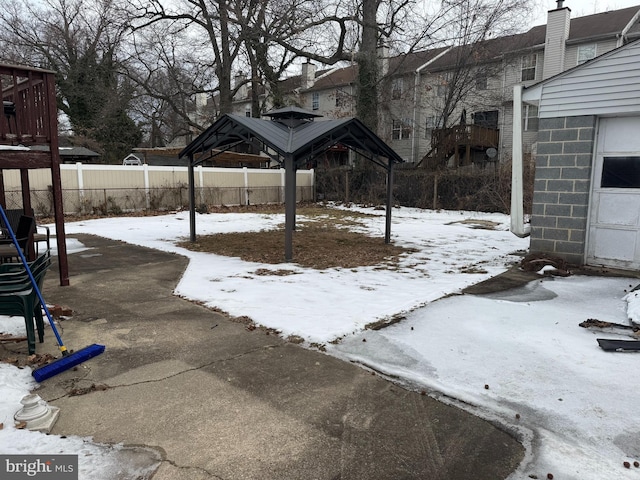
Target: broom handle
x,y
63,349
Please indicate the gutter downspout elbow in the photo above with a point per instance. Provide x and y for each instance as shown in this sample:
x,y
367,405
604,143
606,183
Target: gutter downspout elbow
x,y
414,138
518,227
416,99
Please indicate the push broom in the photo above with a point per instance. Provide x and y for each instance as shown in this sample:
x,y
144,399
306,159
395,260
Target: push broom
x,y
68,360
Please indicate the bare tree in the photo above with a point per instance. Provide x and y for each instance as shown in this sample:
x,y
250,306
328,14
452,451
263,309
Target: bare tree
x,y
213,39
266,63
81,42
166,65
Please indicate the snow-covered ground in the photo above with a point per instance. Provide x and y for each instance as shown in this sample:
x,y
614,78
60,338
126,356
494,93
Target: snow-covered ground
x,y
518,358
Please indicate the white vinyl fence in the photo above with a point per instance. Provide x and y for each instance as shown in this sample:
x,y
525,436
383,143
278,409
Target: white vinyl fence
x,y
104,189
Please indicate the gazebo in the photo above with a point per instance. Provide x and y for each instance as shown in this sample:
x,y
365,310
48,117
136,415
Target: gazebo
x,y
291,138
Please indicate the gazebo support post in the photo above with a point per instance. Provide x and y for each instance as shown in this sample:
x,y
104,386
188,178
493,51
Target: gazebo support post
x,y
289,206
387,229
192,200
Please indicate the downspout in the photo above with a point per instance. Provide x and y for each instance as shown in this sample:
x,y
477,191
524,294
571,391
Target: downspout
x,y
417,73
501,143
414,140
518,227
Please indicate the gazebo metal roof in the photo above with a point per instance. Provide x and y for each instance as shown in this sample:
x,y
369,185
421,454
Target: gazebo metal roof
x,y
291,138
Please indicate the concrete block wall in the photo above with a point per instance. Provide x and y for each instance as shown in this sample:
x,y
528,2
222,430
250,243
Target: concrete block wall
x,y
562,187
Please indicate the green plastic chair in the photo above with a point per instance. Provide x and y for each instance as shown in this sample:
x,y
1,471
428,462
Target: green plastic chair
x,y
19,298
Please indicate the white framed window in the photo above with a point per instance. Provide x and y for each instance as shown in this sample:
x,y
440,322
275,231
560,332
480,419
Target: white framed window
x,y
315,101
586,52
247,112
441,90
396,88
529,63
401,129
530,114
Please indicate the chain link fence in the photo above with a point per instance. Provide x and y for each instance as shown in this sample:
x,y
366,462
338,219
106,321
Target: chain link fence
x,y
114,201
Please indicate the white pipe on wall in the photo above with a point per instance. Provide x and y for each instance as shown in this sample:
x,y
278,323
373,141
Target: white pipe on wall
x,y
518,227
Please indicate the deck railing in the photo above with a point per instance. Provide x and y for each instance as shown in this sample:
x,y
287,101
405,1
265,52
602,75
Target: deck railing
x,y
27,95
474,135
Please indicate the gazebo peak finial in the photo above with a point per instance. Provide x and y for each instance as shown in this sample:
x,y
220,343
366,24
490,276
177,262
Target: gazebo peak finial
x,y
292,116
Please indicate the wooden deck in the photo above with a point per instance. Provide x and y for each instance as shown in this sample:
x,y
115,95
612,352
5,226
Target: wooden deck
x,y
459,141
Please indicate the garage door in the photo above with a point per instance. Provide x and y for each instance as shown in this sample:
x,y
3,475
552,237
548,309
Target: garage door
x,y
614,219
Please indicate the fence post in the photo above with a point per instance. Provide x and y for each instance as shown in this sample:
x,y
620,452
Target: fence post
x,y
435,191
246,185
80,186
346,186
147,192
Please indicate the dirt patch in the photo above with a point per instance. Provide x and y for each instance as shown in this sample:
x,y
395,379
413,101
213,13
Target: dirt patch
x,y
322,240
278,273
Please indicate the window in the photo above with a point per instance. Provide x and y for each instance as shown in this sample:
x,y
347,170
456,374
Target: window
x,y
530,118
247,113
488,119
396,88
430,124
396,130
586,52
529,67
315,100
620,172
340,97
401,129
441,90
481,81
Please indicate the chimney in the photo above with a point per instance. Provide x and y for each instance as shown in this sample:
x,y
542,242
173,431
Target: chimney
x,y
558,22
308,75
383,59
242,91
